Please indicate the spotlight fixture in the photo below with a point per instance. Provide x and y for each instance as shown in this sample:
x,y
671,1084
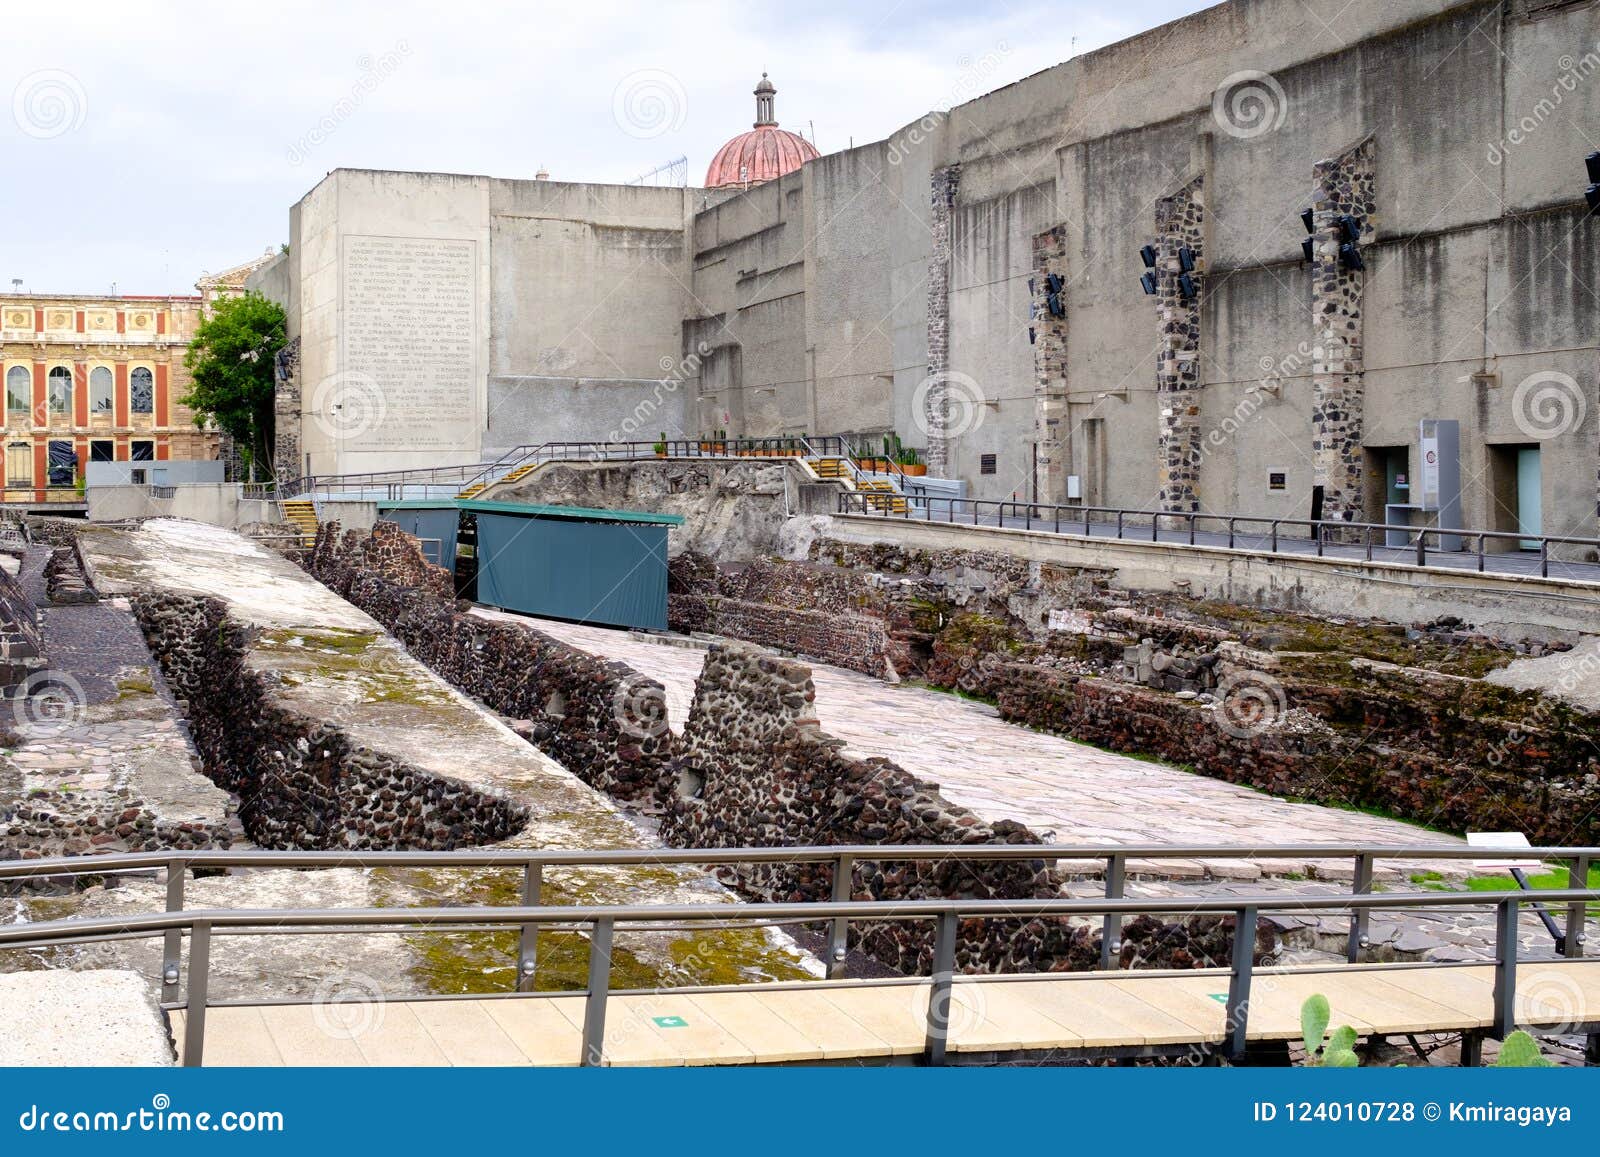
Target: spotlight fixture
x,y
1306,248
1592,195
1053,303
1147,254
1350,230
1593,162
1186,259
1350,256
1148,280
1053,283
1186,286
1308,219
1031,337
1031,289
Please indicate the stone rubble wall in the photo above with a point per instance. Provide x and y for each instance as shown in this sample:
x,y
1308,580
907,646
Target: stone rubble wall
x,y
65,580
302,782
61,824
753,768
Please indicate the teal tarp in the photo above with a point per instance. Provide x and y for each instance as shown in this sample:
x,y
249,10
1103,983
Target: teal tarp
x,y
607,573
438,522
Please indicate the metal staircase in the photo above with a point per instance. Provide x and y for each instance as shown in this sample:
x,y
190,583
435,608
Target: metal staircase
x,y
882,492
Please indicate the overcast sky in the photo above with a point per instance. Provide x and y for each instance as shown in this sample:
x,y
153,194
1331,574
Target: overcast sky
x,y
148,143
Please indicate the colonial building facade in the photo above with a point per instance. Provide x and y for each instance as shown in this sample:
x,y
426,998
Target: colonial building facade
x,y
89,379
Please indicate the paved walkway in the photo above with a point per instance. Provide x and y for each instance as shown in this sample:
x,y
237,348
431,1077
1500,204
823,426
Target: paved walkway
x,y
1065,790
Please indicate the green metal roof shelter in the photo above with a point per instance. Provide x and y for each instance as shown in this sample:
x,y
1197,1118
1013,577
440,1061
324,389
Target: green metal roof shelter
x,y
606,567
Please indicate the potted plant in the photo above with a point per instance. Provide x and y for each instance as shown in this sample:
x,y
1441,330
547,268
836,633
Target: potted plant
x,y
661,447
910,463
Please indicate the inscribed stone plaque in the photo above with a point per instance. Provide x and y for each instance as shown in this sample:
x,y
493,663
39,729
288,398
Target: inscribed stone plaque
x,y
409,375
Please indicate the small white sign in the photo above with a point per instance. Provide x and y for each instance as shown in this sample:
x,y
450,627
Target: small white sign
x,y
1068,620
1501,840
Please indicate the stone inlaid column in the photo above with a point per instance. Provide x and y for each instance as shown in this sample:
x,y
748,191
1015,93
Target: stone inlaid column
x,y
934,394
1180,221
1053,459
286,413
1342,188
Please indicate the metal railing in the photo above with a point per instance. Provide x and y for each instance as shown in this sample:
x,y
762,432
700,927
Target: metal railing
x,y
837,913
1149,525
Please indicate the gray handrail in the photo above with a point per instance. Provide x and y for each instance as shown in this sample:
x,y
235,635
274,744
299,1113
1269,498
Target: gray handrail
x,y
1063,518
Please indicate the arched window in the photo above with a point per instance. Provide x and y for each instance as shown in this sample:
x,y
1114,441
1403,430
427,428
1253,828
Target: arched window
x,y
141,391
100,390
19,390
59,382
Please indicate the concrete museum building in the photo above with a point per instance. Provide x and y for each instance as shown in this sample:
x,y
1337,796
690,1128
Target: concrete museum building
x,y
1246,262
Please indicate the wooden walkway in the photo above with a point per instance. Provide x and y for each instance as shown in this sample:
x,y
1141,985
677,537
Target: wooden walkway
x,y
1118,1013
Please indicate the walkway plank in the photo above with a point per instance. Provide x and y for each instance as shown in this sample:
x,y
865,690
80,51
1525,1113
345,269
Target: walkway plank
x,y
863,1020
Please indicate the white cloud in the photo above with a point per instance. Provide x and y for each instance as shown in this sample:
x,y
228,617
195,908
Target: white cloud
x,y
194,112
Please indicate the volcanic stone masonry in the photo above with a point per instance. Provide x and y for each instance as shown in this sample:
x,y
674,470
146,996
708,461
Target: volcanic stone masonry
x,y
1366,714
1344,188
1180,225
934,400
301,782
1049,335
753,768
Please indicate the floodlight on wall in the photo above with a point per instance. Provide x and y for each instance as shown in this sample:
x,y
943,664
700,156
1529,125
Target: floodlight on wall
x,y
1186,259
1308,247
1148,281
1592,195
1053,304
1350,257
1147,254
1350,230
1053,283
1031,337
1186,287
1593,162
1309,220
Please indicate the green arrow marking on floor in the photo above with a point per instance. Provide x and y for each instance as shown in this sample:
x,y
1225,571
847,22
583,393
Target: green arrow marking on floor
x,y
670,1022
1219,997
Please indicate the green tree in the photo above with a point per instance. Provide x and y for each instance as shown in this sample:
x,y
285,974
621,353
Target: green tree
x,y
231,362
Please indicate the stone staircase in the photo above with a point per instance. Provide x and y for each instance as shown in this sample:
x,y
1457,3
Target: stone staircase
x,y
301,513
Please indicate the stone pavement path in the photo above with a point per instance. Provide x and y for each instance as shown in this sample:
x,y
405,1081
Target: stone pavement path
x,y
1065,790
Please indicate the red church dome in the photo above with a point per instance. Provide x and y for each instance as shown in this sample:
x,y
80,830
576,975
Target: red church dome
x,y
764,153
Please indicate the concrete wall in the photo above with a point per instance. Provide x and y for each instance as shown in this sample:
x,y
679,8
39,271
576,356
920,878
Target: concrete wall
x,y
218,503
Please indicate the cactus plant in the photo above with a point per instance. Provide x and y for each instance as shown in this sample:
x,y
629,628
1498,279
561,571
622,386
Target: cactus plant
x,y
1336,1052
1521,1051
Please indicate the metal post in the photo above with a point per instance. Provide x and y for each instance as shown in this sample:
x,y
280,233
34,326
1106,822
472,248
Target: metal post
x,y
1238,1015
1480,553
1505,969
1085,522
1274,536
1320,539
1119,524
1544,558
1359,916
1577,877
944,967
1422,548
528,938
1191,529
1231,522
1027,517
172,952
1471,1049
194,1024
1155,528
594,1008
1111,925
1366,535
839,930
